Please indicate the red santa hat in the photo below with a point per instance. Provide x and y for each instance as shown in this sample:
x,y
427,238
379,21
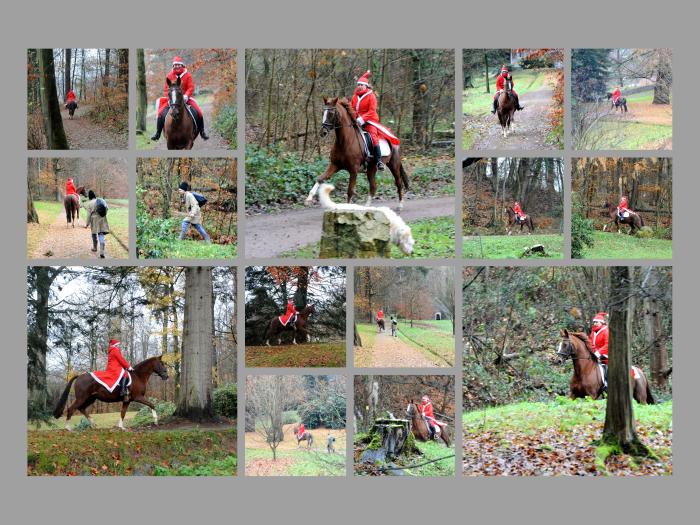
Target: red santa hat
x,y
504,69
178,61
364,79
425,399
114,342
601,317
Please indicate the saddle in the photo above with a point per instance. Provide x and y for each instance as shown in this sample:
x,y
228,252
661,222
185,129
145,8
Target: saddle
x,y
368,146
519,219
290,321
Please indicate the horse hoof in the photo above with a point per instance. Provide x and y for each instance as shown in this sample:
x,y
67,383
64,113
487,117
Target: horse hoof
x,y
308,202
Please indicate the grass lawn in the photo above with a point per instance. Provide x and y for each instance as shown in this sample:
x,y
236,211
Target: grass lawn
x,y
100,452
329,355
435,337
428,451
118,218
295,462
511,246
635,135
560,438
622,246
476,101
187,249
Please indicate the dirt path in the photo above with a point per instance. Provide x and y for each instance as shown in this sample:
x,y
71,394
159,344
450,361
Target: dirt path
x,y
268,235
82,133
216,141
63,242
390,351
531,125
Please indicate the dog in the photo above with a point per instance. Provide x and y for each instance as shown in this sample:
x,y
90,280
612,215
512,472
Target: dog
x,y
330,444
399,231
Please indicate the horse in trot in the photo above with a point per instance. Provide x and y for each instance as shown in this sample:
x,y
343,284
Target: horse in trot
x,y
71,107
348,152
87,391
587,379
513,221
620,103
306,436
506,108
381,326
71,203
634,220
419,426
179,127
299,327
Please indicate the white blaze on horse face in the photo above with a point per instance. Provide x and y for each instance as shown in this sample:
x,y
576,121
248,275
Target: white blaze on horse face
x,y
173,97
325,117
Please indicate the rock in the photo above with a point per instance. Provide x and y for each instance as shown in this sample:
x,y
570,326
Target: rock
x,y
355,234
537,249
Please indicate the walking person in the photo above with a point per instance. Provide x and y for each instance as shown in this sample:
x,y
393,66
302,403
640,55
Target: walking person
x,y
193,216
97,222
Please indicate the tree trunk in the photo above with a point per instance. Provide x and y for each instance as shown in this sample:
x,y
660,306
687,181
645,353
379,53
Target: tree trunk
x,y
196,357
662,87
32,215
105,77
123,71
141,98
53,123
356,340
619,431
420,101
66,73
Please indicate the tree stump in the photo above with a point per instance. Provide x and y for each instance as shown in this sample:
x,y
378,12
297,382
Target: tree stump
x,y
355,234
387,439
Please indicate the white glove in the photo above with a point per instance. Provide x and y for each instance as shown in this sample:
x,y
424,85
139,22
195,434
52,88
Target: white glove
x,y
597,354
186,98
131,369
360,121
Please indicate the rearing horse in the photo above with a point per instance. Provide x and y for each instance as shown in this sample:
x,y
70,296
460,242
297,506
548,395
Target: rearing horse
x,y
506,108
87,391
71,203
179,128
348,152
299,328
512,221
634,219
587,379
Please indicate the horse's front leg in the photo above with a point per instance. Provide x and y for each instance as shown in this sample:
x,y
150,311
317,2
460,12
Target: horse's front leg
x,y
352,182
330,171
372,179
144,401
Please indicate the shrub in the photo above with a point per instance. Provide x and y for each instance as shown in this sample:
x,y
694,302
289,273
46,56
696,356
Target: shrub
x,y
581,230
226,123
225,399
289,417
165,410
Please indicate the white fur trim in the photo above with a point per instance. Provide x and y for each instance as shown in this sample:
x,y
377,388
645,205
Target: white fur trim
x,y
110,390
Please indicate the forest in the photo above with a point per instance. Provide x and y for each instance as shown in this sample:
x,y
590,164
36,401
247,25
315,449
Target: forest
x,y
492,185
512,375
99,79
160,208
421,300
643,120
285,153
48,233
214,72
186,315
320,290
275,408
538,79
597,185
380,410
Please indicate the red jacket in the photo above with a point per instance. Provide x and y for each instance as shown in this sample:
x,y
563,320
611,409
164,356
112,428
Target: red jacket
x,y
380,314
70,187
517,209
501,82
70,96
599,342
110,376
365,106
616,94
291,310
623,204
301,430
426,409
187,83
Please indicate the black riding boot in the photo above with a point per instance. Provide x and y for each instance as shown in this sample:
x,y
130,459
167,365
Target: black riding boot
x,y
518,107
160,122
200,124
378,156
124,388
495,105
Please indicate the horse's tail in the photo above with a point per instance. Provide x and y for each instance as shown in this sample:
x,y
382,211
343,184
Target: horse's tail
x,y
58,410
404,177
68,206
650,397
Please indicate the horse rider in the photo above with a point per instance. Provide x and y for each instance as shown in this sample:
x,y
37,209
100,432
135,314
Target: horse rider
x,y
599,342
70,188
616,95
380,314
300,432
115,370
364,102
501,86
97,223
70,97
187,85
622,208
290,314
394,325
426,410
519,213
194,213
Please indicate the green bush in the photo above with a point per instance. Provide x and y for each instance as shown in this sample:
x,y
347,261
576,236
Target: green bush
x,y
581,230
226,123
143,417
289,417
323,412
225,399
536,62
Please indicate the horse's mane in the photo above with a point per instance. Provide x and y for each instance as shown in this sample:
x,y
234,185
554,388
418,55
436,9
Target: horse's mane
x,y
581,336
345,103
143,363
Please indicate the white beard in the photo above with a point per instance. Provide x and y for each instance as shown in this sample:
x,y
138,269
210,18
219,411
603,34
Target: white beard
x,y
399,231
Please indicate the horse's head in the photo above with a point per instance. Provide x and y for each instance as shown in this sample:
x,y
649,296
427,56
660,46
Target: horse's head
x,y
176,100
308,310
160,368
411,409
81,191
329,120
565,349
509,84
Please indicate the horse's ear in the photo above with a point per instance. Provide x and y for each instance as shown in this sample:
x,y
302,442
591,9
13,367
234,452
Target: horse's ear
x,y
564,332
325,101
333,101
168,82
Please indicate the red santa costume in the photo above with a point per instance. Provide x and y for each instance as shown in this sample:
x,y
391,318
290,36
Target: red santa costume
x,y
291,310
599,337
519,211
501,82
117,366
616,95
380,314
186,84
364,102
70,97
622,206
70,188
300,432
426,410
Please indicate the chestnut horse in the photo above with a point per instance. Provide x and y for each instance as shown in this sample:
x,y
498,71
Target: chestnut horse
x,y
179,128
634,220
419,426
512,221
506,108
87,391
348,152
71,203
381,327
619,103
306,436
587,379
276,327
71,106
